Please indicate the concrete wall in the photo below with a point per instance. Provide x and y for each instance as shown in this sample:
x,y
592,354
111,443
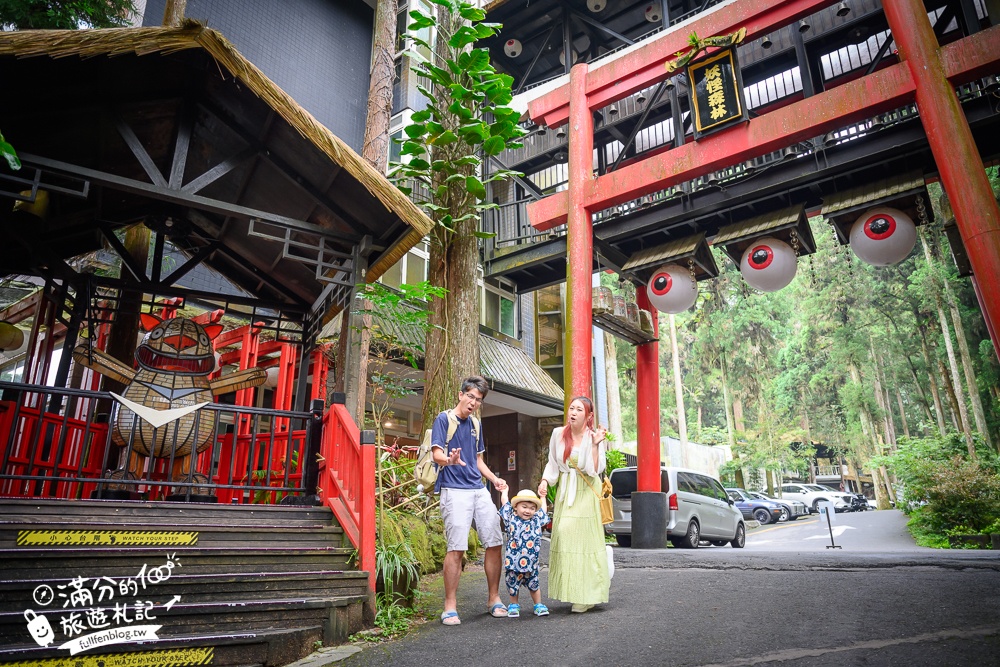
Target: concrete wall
x,y
317,51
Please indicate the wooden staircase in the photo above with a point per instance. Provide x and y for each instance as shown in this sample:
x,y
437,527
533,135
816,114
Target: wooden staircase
x,y
229,585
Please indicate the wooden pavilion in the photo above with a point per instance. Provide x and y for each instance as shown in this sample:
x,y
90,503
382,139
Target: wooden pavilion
x,y
224,201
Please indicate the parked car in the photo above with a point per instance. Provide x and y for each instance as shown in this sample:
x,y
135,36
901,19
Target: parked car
x,y
698,508
792,509
761,511
813,494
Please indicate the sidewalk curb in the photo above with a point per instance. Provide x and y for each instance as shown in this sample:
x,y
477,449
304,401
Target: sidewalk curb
x,y
326,656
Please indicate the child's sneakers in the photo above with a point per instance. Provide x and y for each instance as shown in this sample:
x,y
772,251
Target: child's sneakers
x,y
514,610
541,610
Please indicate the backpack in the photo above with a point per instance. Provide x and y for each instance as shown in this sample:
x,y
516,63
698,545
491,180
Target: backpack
x,y
426,471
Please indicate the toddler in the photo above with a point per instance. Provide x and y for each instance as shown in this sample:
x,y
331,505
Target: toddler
x,y
524,515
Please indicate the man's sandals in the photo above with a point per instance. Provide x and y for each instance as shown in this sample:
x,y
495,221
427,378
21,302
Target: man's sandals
x,y
450,618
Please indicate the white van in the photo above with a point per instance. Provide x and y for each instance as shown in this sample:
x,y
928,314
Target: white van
x,y
698,508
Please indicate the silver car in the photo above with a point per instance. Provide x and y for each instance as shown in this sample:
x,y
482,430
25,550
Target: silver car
x,y
793,509
698,509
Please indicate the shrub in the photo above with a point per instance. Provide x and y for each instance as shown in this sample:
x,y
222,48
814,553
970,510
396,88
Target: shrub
x,y
963,493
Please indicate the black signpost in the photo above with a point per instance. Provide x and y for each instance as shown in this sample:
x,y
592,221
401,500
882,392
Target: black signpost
x,y
717,92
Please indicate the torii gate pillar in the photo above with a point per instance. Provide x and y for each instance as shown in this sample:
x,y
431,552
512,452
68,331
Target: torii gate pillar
x,y
962,173
579,319
579,241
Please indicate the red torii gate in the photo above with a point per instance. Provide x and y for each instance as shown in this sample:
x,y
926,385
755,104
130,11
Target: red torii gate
x,y
926,75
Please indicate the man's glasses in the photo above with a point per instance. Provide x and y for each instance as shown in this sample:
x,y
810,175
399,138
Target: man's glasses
x,y
472,397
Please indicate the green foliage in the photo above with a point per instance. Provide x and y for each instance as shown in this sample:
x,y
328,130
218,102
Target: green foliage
x,y
466,117
9,154
963,494
615,460
65,14
392,620
399,319
944,491
396,564
924,535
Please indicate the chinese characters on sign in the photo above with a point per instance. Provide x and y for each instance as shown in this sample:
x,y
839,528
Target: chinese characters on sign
x,y
717,98
109,610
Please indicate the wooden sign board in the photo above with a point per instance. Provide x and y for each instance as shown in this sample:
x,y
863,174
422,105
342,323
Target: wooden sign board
x,y
716,92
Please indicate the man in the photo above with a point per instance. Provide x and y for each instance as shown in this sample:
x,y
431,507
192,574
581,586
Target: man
x,y
465,502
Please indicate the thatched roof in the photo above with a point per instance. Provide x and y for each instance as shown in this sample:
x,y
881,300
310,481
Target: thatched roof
x,y
74,86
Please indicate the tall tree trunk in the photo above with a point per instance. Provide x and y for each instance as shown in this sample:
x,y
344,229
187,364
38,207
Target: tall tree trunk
x,y
730,422
868,430
949,391
614,395
173,13
738,414
970,373
678,386
932,381
880,401
452,351
902,414
808,430
354,328
375,150
956,380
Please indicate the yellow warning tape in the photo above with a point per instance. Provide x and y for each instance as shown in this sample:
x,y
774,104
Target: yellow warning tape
x,y
181,657
105,538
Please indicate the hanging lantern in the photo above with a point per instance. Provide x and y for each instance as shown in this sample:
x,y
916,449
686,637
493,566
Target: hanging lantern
x,y
672,289
596,6
653,13
883,236
512,48
768,264
11,338
272,377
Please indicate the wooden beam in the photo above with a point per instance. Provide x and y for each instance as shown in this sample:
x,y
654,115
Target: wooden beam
x,y
641,67
878,92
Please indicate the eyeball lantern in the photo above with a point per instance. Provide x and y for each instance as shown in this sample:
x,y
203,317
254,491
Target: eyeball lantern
x,y
671,289
653,13
768,264
883,236
596,5
512,48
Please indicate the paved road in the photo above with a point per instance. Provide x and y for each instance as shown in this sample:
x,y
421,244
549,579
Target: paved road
x,y
793,603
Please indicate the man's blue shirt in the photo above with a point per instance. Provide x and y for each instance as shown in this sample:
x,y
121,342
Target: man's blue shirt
x,y
458,476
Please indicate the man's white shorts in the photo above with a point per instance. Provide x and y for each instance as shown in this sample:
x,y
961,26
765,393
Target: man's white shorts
x,y
463,509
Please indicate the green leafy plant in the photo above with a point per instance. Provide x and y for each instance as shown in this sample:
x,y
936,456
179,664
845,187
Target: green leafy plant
x,y
615,460
395,564
65,14
9,154
270,479
466,116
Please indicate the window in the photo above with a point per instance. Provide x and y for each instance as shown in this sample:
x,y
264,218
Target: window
x,y
549,331
499,306
411,269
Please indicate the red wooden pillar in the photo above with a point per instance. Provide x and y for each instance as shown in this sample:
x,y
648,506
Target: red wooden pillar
x,y
283,401
647,393
319,374
579,241
962,173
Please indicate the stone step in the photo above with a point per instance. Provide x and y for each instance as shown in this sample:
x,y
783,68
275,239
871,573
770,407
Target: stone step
x,y
270,647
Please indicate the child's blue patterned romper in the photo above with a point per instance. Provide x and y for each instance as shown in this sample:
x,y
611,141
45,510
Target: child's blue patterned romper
x,y
524,543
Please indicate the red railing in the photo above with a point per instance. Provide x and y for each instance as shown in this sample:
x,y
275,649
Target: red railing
x,y
55,447
347,482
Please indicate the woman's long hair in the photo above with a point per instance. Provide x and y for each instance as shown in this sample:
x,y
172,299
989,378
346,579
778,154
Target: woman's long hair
x,y
588,421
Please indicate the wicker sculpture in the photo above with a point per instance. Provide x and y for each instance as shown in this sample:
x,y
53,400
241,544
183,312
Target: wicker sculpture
x,y
159,409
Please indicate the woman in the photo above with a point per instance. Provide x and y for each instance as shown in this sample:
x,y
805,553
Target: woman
x,y
578,561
